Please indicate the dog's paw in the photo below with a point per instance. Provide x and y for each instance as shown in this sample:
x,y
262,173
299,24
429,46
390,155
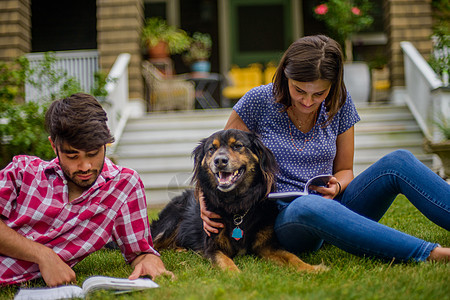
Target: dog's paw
x,y
320,268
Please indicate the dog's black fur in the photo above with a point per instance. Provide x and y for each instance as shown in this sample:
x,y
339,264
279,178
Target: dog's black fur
x,y
235,172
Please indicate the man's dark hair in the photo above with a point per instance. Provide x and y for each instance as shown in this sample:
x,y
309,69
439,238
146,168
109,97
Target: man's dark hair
x,y
78,120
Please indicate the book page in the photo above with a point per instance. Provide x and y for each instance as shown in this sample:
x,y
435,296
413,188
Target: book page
x,y
319,180
61,292
118,284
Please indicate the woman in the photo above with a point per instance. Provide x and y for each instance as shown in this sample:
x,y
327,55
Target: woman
x,y
306,117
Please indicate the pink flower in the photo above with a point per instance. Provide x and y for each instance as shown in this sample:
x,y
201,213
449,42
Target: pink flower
x,y
321,9
356,11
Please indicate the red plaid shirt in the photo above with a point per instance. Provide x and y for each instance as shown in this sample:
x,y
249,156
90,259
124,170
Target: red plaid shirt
x,y
34,202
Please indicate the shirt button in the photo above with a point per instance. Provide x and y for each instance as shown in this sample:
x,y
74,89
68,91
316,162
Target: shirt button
x,y
65,181
30,238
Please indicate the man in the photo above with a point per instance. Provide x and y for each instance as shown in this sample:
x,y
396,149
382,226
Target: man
x,y
54,214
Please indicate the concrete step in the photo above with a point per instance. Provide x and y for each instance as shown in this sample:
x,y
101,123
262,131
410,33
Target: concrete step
x,y
159,145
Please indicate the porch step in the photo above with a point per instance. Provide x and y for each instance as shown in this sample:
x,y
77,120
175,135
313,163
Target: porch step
x,y
159,145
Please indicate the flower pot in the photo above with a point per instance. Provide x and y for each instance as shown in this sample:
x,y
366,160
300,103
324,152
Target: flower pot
x,y
441,149
161,50
202,66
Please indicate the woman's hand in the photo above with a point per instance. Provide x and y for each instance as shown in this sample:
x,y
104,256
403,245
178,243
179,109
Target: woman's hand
x,y
331,190
206,215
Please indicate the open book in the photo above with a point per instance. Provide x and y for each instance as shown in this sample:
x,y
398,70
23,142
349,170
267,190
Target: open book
x,y
319,180
94,283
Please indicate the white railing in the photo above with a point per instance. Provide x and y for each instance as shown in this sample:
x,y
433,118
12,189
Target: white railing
x,y
116,103
80,65
422,88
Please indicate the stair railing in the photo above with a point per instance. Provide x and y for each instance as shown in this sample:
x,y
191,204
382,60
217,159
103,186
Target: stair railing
x,y
422,89
116,103
79,64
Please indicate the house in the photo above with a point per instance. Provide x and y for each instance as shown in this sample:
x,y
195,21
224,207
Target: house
x,y
243,31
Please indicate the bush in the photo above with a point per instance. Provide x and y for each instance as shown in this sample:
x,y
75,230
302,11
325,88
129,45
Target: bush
x,y
23,132
22,125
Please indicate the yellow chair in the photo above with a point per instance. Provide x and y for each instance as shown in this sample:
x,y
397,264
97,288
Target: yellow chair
x,y
242,80
167,93
269,72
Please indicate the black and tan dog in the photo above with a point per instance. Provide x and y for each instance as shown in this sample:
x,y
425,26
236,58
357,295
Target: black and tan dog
x,y
235,171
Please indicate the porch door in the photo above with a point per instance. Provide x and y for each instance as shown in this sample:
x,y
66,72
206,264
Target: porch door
x,y
261,30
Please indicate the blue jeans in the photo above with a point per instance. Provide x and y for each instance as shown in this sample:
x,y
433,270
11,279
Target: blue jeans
x,y
350,222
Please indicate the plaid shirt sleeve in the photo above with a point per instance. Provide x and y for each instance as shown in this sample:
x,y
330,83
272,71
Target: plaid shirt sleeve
x,y
10,182
131,227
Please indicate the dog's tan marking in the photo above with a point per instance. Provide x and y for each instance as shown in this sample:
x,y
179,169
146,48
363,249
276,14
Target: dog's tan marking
x,y
223,242
262,239
168,243
224,262
231,141
283,257
255,157
216,143
263,248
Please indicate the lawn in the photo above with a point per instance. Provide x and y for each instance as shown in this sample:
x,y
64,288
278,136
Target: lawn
x,y
349,277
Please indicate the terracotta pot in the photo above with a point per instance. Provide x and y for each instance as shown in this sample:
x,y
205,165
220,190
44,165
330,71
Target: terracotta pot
x,y
441,149
161,50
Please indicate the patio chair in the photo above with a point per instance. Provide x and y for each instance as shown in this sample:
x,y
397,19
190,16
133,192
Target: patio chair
x,y
167,93
242,80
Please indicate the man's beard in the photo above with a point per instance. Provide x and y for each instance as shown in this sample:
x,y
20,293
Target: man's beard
x,y
83,184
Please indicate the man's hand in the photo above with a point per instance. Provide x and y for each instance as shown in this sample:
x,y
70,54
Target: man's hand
x,y
54,270
149,264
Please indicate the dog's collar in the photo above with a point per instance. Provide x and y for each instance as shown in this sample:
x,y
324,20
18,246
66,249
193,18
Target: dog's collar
x,y
237,219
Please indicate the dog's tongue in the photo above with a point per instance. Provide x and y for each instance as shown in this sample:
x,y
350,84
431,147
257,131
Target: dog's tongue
x,y
225,178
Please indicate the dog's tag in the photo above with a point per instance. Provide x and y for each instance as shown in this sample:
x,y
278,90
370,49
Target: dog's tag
x,y
237,234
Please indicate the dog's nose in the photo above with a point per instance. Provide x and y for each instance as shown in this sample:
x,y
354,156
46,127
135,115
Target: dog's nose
x,y
221,161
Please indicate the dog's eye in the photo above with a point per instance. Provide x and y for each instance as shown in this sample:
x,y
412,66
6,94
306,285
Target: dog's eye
x,y
237,147
211,150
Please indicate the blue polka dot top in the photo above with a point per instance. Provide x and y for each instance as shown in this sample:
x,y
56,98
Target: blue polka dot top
x,y
300,156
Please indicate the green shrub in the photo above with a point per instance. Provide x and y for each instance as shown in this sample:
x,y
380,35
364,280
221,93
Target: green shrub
x,y
22,125
23,132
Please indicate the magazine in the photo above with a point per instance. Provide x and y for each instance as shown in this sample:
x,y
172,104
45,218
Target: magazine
x,y
319,180
94,283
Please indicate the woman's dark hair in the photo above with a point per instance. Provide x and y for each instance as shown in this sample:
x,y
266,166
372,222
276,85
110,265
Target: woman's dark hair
x,y
308,59
78,120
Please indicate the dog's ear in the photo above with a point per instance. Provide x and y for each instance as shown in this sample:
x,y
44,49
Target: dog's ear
x,y
267,161
198,154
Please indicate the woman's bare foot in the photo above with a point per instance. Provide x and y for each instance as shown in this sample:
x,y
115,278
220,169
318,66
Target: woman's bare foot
x,y
439,254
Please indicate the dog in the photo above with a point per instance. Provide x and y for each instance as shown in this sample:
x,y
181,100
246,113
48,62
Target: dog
x,y
235,173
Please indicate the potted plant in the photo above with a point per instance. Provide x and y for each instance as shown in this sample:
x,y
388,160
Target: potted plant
x,y
344,18
439,58
199,52
163,39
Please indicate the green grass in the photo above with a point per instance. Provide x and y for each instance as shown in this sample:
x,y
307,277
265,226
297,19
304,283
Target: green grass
x,y
350,277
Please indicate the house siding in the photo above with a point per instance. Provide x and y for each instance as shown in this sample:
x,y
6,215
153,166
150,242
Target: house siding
x,y
406,20
119,23
118,30
15,28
